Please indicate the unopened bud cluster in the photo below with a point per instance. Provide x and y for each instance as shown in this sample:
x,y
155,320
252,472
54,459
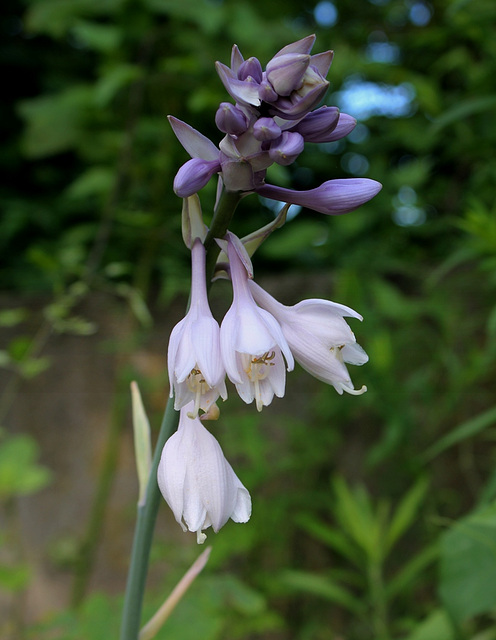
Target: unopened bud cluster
x,y
274,115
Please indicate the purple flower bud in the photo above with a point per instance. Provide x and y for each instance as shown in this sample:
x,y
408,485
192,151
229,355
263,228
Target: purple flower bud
x,y
230,119
317,125
194,175
300,46
332,197
266,92
266,129
285,73
285,150
345,125
250,68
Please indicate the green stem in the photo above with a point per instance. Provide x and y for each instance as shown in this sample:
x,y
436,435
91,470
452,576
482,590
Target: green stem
x,y
379,601
145,524
220,223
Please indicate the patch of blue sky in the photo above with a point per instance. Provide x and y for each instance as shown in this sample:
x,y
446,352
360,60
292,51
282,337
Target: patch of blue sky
x,y
363,99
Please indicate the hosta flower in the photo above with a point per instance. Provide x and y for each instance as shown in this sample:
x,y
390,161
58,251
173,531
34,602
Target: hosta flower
x,y
319,337
198,482
196,372
252,343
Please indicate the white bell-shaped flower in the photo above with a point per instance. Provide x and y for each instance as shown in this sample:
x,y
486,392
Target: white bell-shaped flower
x,y
252,343
196,371
198,482
319,337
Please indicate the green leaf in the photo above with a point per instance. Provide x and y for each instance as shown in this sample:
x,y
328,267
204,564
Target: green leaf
x,y
101,37
436,626
406,511
19,347
14,578
294,239
54,123
468,565
113,80
20,474
136,303
208,21
31,367
322,586
463,110
409,572
489,492
355,515
56,17
332,537
12,317
463,431
94,181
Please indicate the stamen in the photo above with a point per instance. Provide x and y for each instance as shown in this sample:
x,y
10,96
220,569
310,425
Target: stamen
x,y
193,414
258,398
200,537
198,386
257,369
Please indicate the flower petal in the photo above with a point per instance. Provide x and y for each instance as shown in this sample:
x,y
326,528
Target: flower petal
x,y
300,46
195,143
242,91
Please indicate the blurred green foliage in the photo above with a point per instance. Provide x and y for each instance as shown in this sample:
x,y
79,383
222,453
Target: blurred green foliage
x,y
20,475
87,168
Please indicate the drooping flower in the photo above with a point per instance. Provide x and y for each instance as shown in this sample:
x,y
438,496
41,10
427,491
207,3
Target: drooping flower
x,y
251,340
198,482
319,337
196,372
